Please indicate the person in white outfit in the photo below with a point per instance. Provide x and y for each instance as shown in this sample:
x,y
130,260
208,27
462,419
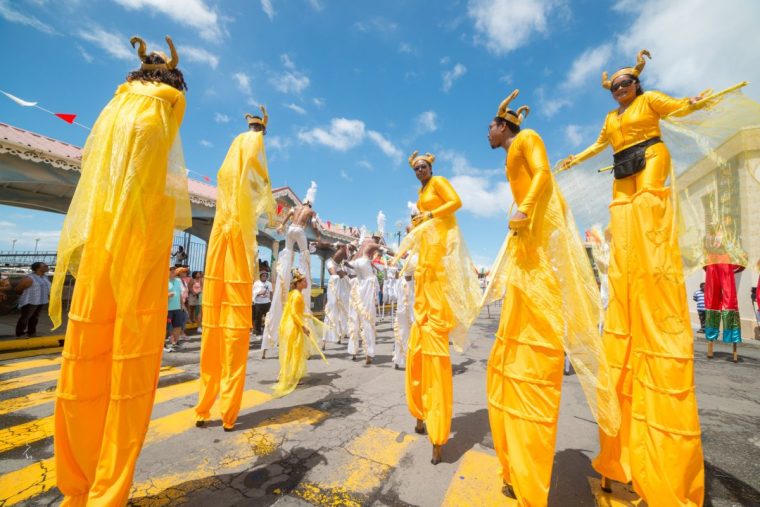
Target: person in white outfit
x,y
336,314
363,297
402,325
302,215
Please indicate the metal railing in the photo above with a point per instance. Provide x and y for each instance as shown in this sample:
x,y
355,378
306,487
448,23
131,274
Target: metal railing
x,y
24,259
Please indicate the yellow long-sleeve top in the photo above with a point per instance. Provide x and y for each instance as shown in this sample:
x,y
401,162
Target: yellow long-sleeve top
x,y
244,191
293,347
440,198
528,170
639,122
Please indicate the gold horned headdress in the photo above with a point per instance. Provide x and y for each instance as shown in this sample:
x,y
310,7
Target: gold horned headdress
x,y
633,71
512,117
255,120
296,276
427,157
169,63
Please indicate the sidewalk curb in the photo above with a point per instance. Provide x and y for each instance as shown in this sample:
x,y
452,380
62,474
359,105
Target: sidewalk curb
x,y
37,342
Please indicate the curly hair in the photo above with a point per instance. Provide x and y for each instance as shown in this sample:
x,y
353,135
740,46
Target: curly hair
x,y
171,77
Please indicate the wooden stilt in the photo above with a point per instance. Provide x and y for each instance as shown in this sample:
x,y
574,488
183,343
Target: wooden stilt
x,y
710,346
736,354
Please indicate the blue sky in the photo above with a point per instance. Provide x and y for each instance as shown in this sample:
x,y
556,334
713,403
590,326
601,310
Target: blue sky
x,y
353,87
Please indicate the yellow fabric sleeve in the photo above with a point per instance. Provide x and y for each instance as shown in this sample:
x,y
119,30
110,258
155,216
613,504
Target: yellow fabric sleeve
x,y
534,152
451,199
664,104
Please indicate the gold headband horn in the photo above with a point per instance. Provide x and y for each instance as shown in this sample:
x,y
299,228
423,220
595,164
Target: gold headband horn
x,y
253,120
516,117
633,71
427,157
170,63
502,111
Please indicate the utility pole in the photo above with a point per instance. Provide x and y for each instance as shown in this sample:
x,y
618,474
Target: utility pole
x,y
36,242
13,245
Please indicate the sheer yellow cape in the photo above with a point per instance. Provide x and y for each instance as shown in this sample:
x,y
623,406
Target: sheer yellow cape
x,y
132,156
245,192
460,286
715,172
551,247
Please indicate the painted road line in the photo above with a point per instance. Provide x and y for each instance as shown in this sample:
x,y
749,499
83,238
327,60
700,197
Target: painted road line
x,y
30,353
374,455
38,429
31,343
622,495
244,449
50,376
28,365
477,482
38,478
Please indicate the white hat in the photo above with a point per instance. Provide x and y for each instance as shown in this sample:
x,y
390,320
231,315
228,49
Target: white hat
x,y
311,194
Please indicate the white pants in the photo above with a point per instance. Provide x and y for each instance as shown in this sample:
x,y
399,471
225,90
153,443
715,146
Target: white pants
x,y
404,319
363,297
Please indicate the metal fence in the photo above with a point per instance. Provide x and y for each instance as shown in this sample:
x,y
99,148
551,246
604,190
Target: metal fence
x,y
195,250
25,259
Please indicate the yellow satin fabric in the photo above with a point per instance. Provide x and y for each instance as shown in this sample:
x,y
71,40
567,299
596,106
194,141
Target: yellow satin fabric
x,y
293,347
244,192
550,306
116,239
647,333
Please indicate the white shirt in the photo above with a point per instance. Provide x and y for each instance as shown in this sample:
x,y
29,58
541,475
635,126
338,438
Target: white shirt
x,y
259,286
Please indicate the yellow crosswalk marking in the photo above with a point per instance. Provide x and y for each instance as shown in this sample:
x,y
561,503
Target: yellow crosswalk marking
x,y
621,496
29,353
50,376
36,479
41,397
27,365
29,343
38,429
374,454
477,482
244,448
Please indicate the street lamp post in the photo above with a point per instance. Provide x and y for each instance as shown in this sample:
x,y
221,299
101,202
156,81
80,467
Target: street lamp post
x,y
13,245
36,243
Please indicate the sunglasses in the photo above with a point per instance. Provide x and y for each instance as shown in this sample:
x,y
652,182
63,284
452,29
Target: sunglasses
x,y
625,83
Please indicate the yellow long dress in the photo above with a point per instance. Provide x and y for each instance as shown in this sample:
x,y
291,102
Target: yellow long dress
x,y
116,240
446,295
647,332
294,350
551,306
244,193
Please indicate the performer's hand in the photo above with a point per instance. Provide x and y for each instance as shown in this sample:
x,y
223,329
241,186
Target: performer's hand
x,y
518,221
306,331
567,163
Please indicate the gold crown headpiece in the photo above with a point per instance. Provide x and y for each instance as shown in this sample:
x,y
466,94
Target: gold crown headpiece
x,y
427,157
253,120
296,275
169,63
633,71
513,117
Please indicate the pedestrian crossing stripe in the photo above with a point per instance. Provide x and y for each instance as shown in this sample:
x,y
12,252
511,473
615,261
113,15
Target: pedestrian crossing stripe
x,y
373,456
52,375
622,495
36,479
244,447
29,353
477,482
39,429
28,365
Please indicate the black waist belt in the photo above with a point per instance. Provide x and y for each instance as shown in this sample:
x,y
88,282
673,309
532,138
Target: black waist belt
x,y
632,159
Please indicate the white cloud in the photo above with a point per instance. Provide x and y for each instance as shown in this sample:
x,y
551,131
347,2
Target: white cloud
x,y
379,25
406,48
366,164
315,4
87,56
192,13
548,107
318,101
198,55
243,82
589,64
206,144
484,193
342,135
426,122
387,147
266,6
287,62
573,135
505,25
345,176
715,47
10,14
221,118
291,80
278,143
506,78
445,60
296,108
111,42
452,75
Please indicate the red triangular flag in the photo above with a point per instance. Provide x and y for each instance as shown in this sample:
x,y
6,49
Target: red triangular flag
x,y
207,178
68,118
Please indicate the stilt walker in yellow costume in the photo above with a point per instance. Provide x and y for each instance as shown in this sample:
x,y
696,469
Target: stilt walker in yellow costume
x,y
297,334
244,194
446,296
116,241
647,335
551,307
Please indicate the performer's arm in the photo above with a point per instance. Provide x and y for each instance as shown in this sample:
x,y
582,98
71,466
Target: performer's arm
x,y
24,284
600,144
285,220
664,105
534,151
178,109
451,199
